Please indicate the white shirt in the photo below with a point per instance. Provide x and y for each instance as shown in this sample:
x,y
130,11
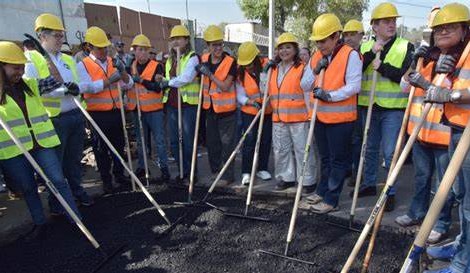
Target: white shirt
x,y
353,79
188,74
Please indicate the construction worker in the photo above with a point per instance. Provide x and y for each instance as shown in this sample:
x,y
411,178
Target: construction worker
x,y
144,73
389,100
336,112
105,73
186,81
451,35
68,121
430,152
220,102
290,116
250,97
22,109
353,33
305,54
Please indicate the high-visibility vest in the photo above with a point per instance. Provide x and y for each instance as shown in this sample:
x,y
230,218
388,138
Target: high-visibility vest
x,y
388,94
189,92
459,113
41,126
108,98
335,74
149,100
52,104
254,94
287,100
222,101
432,131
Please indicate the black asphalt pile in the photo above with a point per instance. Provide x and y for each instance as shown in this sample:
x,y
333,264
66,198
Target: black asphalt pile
x,y
204,242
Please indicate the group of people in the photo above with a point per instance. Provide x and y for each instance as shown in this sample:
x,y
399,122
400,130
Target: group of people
x,y
44,92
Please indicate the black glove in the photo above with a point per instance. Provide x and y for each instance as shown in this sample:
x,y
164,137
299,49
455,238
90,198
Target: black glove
x,y
321,94
445,64
270,64
255,104
322,64
115,77
437,94
204,69
417,80
72,89
119,65
129,59
420,52
137,79
163,85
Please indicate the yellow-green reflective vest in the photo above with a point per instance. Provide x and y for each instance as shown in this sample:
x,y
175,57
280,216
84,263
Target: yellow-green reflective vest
x,y
388,94
41,126
189,92
52,104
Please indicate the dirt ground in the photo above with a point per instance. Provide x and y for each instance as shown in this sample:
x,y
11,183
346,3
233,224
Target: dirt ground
x,y
205,241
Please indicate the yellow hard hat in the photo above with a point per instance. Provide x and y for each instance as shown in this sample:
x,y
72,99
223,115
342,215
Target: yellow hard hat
x,y
286,37
213,33
11,53
384,10
49,21
179,31
325,25
141,40
451,13
353,26
247,52
97,37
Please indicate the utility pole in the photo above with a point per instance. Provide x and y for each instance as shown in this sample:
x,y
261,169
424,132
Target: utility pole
x,y
272,29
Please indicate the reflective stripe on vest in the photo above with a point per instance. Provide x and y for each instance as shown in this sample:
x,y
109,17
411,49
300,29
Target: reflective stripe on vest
x,y
459,113
108,98
221,101
41,126
335,74
254,94
388,94
189,92
287,100
149,100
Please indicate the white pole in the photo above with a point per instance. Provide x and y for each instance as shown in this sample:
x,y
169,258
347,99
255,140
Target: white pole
x,y
272,29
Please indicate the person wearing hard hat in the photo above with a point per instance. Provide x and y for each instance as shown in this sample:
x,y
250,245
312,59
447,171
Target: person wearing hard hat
x,y
304,54
220,72
21,108
353,33
290,116
336,112
144,73
105,73
60,70
389,101
182,78
250,97
451,36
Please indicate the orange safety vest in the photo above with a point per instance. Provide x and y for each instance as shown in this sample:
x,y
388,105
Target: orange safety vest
x,y
287,100
335,74
108,98
254,94
432,131
221,101
459,113
149,100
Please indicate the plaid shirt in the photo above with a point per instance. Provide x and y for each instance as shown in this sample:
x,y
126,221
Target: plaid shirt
x,y
48,85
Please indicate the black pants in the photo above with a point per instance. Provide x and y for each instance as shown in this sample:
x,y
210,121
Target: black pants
x,y
250,143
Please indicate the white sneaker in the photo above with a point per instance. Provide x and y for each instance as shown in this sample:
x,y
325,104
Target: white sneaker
x,y
245,179
314,199
406,221
435,237
264,175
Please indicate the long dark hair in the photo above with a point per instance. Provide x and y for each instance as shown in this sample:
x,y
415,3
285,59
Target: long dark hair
x,y
297,60
185,51
6,86
257,67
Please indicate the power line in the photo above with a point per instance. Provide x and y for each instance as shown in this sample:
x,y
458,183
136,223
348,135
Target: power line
x,y
413,5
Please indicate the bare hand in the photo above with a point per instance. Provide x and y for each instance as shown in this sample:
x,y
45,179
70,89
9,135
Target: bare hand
x,y
377,47
159,78
376,64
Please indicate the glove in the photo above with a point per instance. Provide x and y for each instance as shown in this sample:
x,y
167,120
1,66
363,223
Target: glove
x,y
321,94
445,64
255,104
129,59
204,69
115,77
420,52
437,94
137,79
322,64
417,80
163,85
270,64
72,89
119,65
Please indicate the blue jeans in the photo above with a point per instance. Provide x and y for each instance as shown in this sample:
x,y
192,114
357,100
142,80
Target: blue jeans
x,y
153,121
334,146
462,194
250,143
189,122
383,133
426,160
70,127
21,177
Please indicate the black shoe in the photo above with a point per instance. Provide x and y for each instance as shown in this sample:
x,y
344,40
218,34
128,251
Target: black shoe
x,y
140,173
39,232
363,192
284,185
390,204
183,180
165,177
309,189
108,189
121,179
